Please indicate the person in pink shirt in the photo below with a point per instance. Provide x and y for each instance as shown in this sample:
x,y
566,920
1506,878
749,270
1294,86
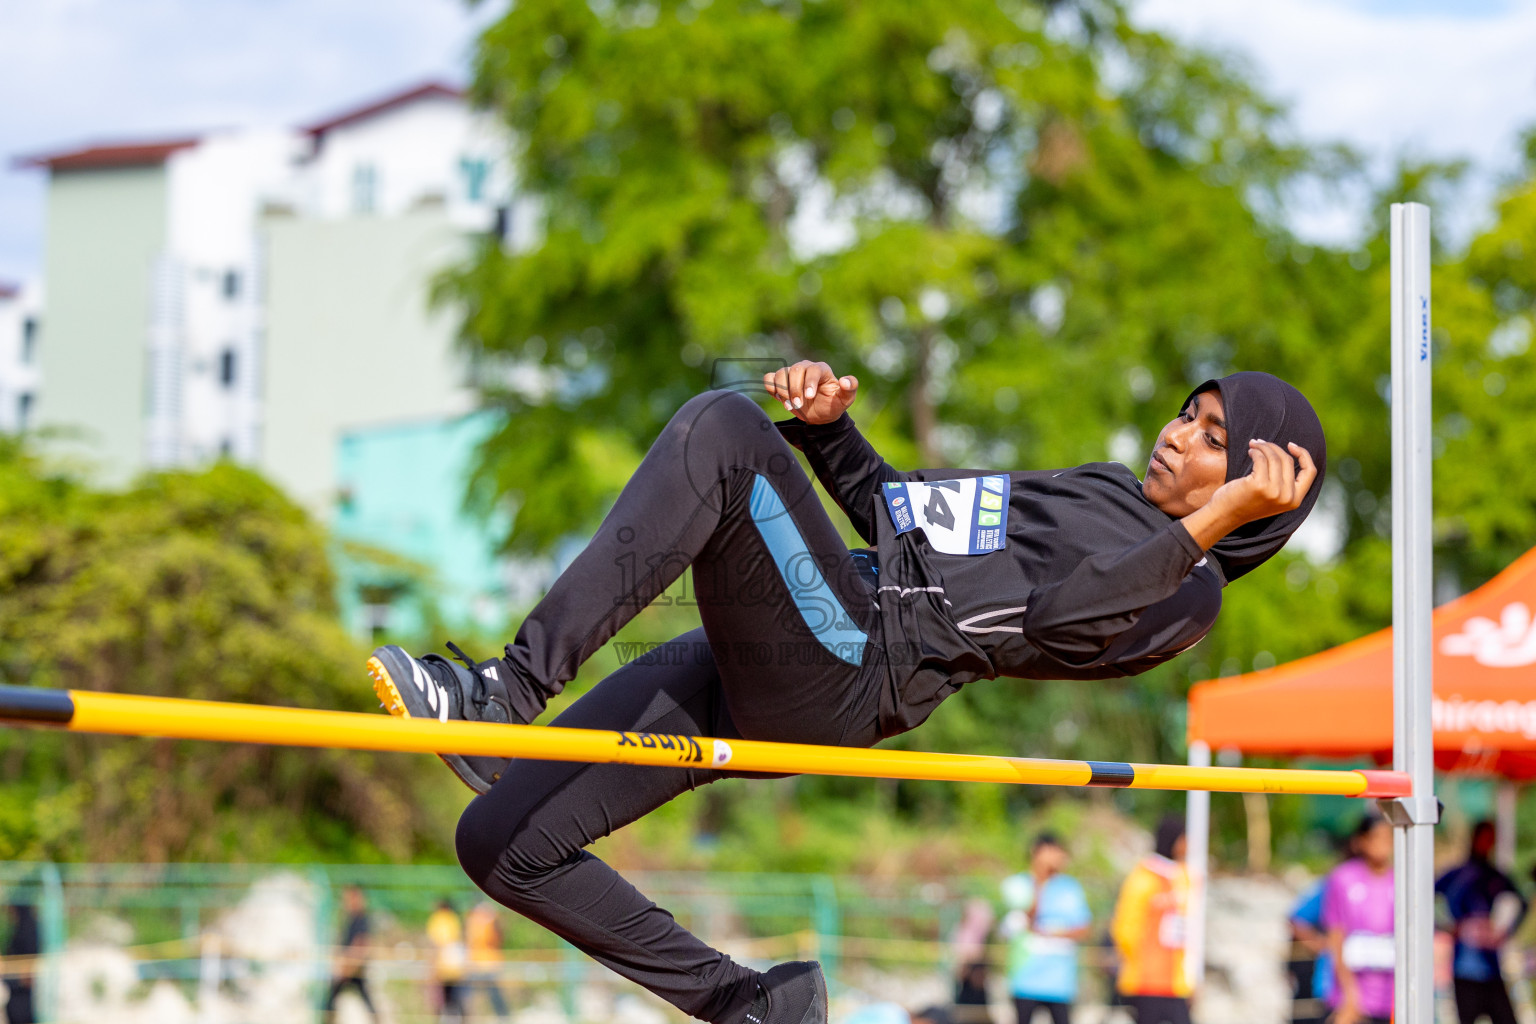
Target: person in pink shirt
x,y
1357,914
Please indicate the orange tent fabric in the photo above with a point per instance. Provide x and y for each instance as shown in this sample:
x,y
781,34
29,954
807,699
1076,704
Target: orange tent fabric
x,y
1339,702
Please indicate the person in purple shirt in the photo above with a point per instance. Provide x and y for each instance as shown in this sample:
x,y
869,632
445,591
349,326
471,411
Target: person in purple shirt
x,y
1357,913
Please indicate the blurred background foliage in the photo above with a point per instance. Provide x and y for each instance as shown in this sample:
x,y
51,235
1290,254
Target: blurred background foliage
x,y
1029,227
207,585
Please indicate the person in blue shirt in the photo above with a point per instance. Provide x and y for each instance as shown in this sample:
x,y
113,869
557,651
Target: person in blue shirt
x,y
1046,916
1486,909
1316,985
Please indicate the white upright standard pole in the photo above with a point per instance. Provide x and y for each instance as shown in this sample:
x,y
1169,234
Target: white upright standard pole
x,y
1506,801
1412,740
1197,847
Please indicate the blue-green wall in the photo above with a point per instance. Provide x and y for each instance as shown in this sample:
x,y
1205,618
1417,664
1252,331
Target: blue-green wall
x,y
401,489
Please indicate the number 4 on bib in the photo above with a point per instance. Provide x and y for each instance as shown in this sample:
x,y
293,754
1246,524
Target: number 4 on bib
x,y
959,517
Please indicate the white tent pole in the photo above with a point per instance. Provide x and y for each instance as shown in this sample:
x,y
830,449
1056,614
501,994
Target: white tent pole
x,y
1506,799
1412,740
1197,849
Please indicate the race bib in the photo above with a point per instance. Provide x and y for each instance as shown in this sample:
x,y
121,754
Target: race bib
x,y
1049,945
1170,931
1365,951
959,517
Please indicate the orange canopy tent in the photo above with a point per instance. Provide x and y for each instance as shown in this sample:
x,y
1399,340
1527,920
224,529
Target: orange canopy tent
x,y
1339,702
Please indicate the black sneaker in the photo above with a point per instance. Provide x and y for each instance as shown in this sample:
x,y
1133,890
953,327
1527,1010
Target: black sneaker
x,y
792,993
434,687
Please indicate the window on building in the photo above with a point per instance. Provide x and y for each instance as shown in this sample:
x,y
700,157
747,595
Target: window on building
x,y
231,285
227,368
28,340
378,603
24,410
475,172
365,188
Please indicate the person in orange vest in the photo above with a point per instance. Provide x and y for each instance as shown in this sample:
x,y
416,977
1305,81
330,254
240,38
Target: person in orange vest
x,y
482,939
1148,929
446,933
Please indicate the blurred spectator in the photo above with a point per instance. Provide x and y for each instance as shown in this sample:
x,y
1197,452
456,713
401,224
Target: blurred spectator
x,y
1047,915
446,933
24,944
352,960
1357,912
1310,969
1485,908
1311,966
483,939
1148,929
971,968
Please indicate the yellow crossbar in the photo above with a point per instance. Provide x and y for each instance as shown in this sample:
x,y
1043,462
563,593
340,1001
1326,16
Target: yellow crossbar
x,y
175,718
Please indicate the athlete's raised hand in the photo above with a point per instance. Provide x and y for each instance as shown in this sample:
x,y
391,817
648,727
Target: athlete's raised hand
x,y
811,391
1279,480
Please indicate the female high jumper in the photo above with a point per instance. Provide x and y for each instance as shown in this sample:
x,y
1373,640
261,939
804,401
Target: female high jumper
x,y
1081,573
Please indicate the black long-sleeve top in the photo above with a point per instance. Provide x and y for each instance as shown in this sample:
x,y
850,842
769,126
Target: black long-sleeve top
x,y
1093,581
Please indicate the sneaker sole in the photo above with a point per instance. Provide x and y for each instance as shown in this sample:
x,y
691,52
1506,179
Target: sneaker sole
x,y
392,697
819,1010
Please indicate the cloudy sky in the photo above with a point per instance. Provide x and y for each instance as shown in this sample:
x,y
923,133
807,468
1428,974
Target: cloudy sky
x,y
1432,78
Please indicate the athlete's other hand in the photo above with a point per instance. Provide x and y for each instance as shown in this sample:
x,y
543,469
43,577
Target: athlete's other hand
x,y
1279,480
811,391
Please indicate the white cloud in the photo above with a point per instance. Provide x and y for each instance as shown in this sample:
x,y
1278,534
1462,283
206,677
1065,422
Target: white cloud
x,y
77,70
1442,85
1430,80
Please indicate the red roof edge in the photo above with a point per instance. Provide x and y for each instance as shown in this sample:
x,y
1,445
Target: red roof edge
x,y
427,90
120,154
8,290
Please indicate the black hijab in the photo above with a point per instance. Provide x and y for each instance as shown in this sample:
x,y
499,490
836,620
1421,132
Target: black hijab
x,y
1264,406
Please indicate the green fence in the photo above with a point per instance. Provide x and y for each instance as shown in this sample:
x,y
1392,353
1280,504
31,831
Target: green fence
x,y
214,932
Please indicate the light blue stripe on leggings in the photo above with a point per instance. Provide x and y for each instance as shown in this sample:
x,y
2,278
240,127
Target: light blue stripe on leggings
x,y
819,606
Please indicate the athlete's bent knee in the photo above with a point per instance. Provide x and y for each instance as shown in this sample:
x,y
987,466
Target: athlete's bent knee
x,y
495,851
469,844
720,417
480,839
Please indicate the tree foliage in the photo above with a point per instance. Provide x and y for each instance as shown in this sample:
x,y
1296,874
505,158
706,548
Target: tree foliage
x,y
917,192
1030,228
204,585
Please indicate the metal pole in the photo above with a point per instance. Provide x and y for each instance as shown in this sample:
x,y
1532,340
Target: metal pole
x,y
1414,817
1506,801
1197,845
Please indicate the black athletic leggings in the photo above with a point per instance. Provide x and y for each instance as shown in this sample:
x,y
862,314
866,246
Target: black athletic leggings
x,y
1478,999
1159,1009
1026,1011
338,985
789,651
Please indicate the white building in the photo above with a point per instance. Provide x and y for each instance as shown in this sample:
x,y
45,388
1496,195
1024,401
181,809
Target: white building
x,y
256,293
20,335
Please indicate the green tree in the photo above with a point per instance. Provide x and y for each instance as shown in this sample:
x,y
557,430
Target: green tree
x,y
1039,226
205,585
951,199
1029,227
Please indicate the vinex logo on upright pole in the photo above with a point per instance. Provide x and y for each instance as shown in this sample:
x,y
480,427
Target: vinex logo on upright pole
x,y
1413,817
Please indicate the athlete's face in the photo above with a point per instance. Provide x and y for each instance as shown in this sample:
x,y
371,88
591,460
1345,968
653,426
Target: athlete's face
x,y
1189,460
